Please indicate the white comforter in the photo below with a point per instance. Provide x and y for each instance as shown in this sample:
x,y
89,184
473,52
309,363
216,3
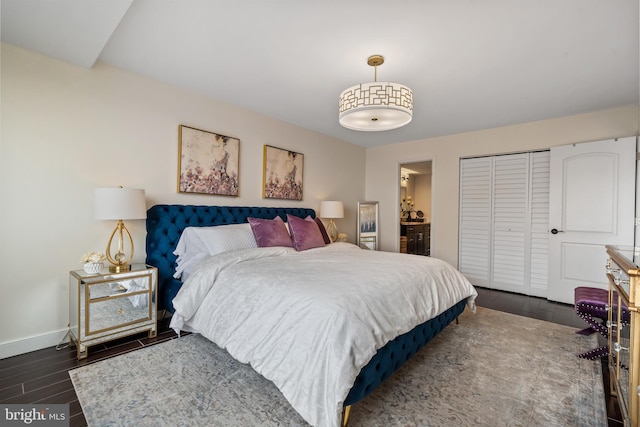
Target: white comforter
x,y
309,321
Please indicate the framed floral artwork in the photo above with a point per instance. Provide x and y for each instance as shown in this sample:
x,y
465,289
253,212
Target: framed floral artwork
x,y
207,162
282,174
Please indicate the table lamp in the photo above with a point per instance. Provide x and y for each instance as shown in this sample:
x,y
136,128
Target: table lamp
x,y
331,209
119,203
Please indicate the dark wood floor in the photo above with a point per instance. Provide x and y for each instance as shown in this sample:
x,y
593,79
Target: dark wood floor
x,y
42,376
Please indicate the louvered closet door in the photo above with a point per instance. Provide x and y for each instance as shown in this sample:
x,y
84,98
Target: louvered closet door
x,y
474,248
540,182
510,222
504,211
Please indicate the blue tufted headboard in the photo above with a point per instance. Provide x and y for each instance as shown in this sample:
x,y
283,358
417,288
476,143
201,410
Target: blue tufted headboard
x,y
165,224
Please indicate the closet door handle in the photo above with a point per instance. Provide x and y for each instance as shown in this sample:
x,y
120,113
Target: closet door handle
x,y
556,231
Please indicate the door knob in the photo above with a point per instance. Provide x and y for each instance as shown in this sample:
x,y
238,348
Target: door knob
x,y
556,231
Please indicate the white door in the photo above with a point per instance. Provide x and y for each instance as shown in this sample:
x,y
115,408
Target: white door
x,y
591,204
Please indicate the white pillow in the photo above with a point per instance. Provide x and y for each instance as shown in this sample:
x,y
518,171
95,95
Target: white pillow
x,y
197,243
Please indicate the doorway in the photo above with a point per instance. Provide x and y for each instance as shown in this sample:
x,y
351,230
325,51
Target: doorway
x,y
415,207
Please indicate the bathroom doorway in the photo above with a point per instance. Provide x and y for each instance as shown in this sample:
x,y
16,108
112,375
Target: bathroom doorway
x,y
415,207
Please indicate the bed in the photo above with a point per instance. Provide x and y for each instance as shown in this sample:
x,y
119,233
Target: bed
x,y
367,355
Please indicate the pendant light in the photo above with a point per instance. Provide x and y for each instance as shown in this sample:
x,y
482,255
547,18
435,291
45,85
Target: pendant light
x,y
375,106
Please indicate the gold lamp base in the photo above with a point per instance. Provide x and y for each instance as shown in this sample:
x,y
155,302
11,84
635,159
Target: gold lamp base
x,y
119,268
120,261
332,230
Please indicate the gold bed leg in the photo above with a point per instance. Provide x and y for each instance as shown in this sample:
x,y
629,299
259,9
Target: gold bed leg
x,y
345,415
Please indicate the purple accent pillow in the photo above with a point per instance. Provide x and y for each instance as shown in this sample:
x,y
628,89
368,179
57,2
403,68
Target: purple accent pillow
x,y
270,232
323,230
305,233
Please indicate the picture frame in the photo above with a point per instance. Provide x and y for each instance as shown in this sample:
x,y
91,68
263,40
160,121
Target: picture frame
x,y
208,163
282,174
368,225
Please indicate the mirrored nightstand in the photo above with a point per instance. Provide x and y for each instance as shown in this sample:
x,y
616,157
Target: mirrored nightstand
x,y
107,306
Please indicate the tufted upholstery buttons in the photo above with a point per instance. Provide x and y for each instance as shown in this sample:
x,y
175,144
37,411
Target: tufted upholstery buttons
x,y
591,306
165,224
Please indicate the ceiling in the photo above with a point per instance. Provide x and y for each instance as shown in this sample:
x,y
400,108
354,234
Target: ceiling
x,y
472,64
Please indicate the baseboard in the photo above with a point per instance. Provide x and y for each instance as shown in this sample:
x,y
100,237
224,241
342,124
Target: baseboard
x,y
26,345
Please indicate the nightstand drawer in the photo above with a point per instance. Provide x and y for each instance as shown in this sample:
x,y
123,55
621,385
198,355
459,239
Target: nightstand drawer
x,y
110,305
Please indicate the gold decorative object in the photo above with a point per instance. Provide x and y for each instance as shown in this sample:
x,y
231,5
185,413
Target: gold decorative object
x,y
332,209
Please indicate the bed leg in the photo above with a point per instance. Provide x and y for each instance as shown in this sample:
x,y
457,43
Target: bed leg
x,y
345,415
457,321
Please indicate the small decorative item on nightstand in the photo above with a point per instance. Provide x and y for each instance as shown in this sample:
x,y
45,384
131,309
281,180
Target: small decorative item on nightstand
x,y
93,267
93,262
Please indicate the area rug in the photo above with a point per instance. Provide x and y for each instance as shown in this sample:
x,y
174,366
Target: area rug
x,y
491,369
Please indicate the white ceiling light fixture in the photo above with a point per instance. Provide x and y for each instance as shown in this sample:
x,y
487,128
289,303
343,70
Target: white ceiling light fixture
x,y
375,106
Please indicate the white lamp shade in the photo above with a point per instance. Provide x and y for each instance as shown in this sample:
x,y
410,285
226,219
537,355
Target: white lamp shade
x,y
331,209
117,203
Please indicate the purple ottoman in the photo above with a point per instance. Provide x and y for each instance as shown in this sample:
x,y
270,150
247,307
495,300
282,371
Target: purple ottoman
x,y
590,305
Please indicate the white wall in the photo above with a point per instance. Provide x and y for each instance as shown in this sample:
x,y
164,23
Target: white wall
x,y
383,166
66,130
